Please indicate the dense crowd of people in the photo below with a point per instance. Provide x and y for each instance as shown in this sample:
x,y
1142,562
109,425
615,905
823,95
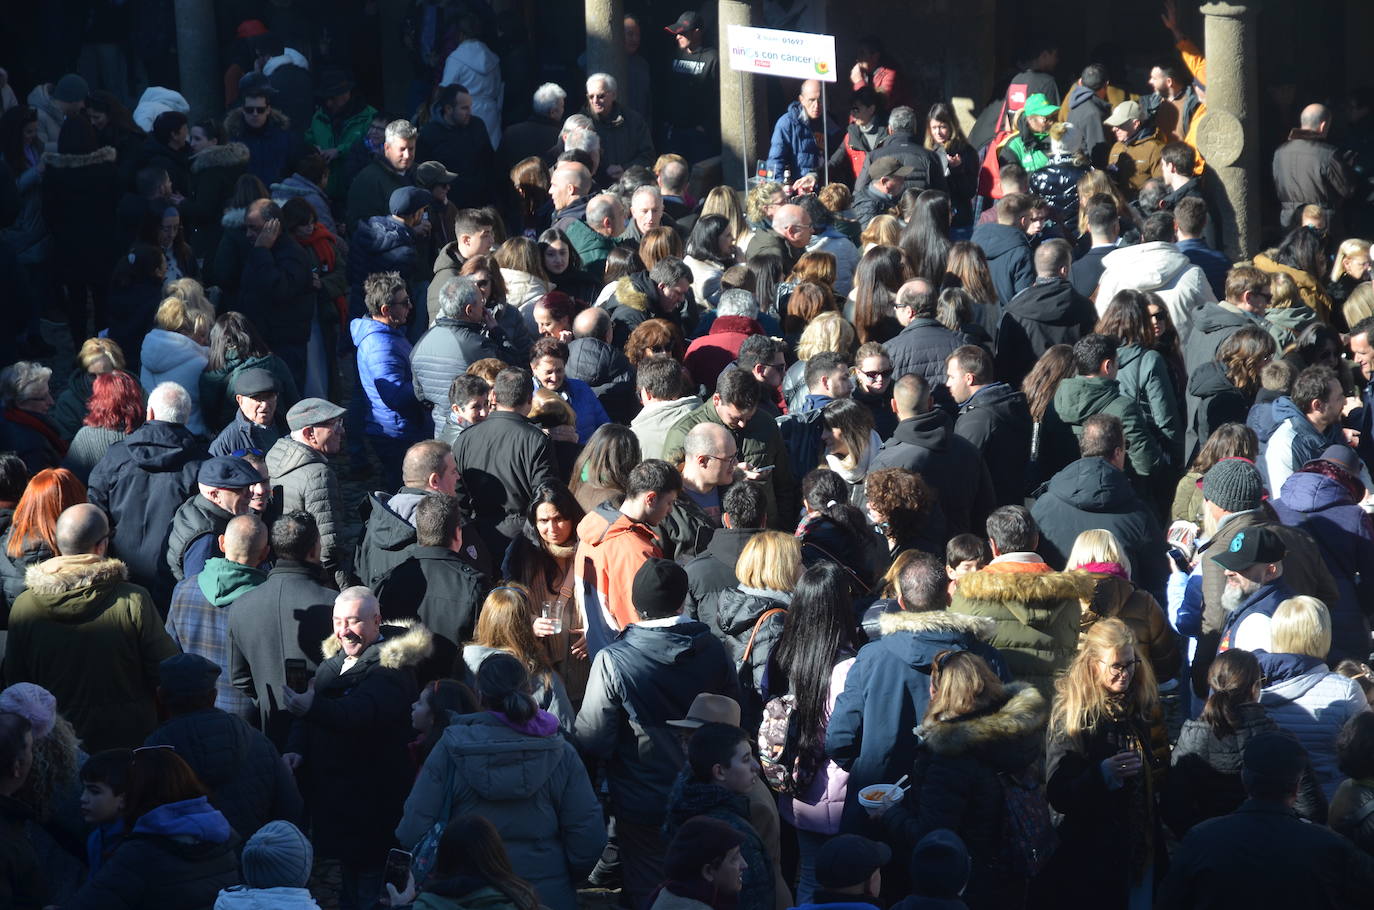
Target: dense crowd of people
x,y
474,509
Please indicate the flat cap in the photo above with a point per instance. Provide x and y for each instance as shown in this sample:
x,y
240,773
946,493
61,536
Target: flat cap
x,y
310,412
227,472
253,382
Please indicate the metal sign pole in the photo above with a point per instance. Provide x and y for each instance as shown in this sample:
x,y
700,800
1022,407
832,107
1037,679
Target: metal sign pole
x,y
825,133
745,140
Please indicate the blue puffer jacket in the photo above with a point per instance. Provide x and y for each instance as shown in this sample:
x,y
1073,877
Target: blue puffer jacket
x,y
384,374
379,244
793,146
1309,701
886,694
1345,537
585,404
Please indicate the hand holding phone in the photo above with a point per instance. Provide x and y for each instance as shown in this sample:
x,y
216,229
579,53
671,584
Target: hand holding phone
x,y
397,873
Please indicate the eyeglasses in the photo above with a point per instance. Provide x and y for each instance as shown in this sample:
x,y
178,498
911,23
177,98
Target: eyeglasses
x,y
875,375
1121,669
255,109
728,459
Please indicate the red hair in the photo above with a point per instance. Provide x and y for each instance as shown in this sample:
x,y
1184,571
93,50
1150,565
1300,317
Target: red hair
x,y
116,403
51,492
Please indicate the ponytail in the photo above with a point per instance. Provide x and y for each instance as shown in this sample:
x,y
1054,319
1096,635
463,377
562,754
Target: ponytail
x,y
1232,678
503,685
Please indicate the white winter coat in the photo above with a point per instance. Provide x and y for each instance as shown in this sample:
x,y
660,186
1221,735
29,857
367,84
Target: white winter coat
x,y
1156,266
477,69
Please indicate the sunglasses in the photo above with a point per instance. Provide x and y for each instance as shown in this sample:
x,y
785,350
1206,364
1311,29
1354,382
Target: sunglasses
x,y
239,453
875,375
255,109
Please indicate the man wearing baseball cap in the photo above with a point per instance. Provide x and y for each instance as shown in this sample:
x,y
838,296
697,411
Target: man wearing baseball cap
x,y
252,429
886,180
1253,562
302,477
390,243
225,485
439,180
1138,153
693,109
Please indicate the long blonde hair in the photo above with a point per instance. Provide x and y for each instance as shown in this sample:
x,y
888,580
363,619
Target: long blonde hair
x,y
1080,700
723,201
961,683
505,624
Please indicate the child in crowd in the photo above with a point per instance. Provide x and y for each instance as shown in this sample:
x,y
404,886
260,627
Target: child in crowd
x,y
964,553
102,802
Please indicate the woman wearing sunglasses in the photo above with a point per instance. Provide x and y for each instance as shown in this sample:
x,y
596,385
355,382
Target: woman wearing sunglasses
x,y
1106,746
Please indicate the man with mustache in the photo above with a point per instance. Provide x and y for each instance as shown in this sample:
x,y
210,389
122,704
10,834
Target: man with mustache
x,y
1255,587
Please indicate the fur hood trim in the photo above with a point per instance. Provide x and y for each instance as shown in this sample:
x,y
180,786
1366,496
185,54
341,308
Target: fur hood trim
x,y
234,218
626,294
981,627
231,154
1023,587
405,643
1023,714
64,574
103,155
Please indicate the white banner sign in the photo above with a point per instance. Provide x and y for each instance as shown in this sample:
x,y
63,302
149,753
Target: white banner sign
x,y
793,55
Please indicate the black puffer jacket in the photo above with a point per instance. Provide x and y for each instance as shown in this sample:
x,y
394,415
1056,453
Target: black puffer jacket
x,y
1058,185
140,483
12,569
242,769
737,614
922,348
214,171
610,375
997,421
1047,313
445,351
1204,781
958,778
949,464
712,572
1212,400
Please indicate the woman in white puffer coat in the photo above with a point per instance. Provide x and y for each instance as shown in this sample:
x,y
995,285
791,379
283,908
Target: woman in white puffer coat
x,y
175,351
1301,694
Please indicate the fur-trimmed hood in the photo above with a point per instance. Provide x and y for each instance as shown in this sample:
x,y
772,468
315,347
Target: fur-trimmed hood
x,y
234,218
980,627
404,643
103,155
1021,717
65,574
1026,586
230,154
628,293
235,125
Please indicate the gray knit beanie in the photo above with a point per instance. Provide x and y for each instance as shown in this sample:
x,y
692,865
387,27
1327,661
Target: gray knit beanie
x,y
277,856
1233,485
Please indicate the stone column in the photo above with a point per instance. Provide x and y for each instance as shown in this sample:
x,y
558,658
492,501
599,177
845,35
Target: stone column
x,y
197,52
1359,25
740,100
605,42
1228,136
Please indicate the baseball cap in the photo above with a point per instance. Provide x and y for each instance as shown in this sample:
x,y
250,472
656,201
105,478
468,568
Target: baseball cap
x,y
849,860
1038,105
433,173
889,166
311,412
1251,546
1123,114
685,23
407,200
70,89
227,473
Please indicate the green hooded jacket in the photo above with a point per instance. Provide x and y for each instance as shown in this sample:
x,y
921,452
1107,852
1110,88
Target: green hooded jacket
x,y
1077,399
224,581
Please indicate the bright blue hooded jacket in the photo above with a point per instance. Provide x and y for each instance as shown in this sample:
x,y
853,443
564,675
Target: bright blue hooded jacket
x,y
384,374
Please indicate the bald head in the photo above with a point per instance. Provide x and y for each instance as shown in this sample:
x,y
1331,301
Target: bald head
x,y
1315,118
244,540
593,322
706,439
83,528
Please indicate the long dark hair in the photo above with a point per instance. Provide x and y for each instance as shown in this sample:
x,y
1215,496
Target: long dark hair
x,y
554,235
827,493
925,240
1040,384
530,559
704,242
610,454
880,273
1232,679
1127,319
137,267
471,846
768,270
1304,249
820,632
233,336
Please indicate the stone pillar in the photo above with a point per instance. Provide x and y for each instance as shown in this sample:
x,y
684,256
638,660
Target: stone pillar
x,y
605,42
740,100
197,53
1359,25
1228,136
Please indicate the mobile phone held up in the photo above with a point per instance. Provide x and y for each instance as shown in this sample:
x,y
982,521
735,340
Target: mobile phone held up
x,y
297,674
397,869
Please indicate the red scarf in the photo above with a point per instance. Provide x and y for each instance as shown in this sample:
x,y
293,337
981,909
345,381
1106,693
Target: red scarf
x,y
38,425
322,243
